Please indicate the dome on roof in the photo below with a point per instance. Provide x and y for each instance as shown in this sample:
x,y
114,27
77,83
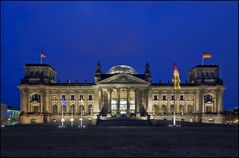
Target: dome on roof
x,y
122,69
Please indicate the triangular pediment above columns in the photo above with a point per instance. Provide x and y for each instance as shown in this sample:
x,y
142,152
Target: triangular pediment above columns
x,y
123,79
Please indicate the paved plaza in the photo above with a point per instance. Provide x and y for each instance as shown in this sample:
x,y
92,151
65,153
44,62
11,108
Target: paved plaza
x,y
108,141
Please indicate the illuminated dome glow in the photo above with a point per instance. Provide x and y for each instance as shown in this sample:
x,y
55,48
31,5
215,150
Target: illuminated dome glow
x,y
122,69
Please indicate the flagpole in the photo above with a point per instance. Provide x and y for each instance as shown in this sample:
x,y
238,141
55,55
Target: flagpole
x,y
62,117
202,61
62,113
174,110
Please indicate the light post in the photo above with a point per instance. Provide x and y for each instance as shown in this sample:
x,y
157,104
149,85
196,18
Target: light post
x,y
62,113
72,119
81,118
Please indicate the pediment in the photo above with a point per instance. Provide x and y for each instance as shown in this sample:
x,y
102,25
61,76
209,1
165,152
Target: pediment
x,y
35,103
123,79
208,102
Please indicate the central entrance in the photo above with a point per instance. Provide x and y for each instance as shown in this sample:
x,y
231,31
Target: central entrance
x,y
122,101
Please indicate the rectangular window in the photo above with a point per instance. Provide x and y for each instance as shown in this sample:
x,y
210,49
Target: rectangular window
x,y
181,97
172,98
90,97
155,97
72,97
81,97
164,97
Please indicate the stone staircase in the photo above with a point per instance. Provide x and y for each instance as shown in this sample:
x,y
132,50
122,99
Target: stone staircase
x,y
123,122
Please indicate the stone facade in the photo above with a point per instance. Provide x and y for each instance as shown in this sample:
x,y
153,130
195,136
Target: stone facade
x,y
120,92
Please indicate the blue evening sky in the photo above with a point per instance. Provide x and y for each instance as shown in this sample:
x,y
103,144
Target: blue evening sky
x,y
76,35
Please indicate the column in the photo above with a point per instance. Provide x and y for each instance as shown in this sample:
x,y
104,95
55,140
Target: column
x,y
217,102
28,101
21,101
85,102
46,106
185,111
197,102
68,102
118,100
168,108
50,102
142,99
146,100
128,100
220,105
23,97
102,98
99,99
76,102
149,102
177,101
135,100
109,100
201,103
42,103
138,100
59,106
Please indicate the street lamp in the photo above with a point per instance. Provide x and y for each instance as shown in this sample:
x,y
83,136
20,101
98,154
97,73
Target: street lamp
x,y
72,119
81,118
62,113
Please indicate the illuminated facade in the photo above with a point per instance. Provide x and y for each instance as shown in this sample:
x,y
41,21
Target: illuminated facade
x,y
120,92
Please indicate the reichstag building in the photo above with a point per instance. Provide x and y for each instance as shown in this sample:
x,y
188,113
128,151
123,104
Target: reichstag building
x,y
120,92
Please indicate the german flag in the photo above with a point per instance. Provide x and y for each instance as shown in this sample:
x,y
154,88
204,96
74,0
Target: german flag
x,y
206,55
176,79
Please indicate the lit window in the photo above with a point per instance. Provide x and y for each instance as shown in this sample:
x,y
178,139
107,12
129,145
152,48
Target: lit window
x,y
155,110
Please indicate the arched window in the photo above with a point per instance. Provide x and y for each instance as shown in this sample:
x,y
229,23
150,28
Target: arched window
x,y
54,109
72,109
90,109
181,109
190,109
155,110
172,108
64,109
36,97
208,98
81,109
164,109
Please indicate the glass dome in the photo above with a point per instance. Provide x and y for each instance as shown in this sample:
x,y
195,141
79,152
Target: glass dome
x,y
122,69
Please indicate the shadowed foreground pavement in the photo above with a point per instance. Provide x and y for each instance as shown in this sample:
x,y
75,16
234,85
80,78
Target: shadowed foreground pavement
x,y
48,141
